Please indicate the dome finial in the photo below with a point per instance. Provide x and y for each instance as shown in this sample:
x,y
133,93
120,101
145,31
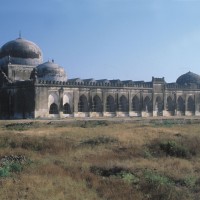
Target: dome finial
x,y
20,34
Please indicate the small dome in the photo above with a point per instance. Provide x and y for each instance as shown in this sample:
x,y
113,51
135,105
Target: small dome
x,y
188,78
51,71
21,51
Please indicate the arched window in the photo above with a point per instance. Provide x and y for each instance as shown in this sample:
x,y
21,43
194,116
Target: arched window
x,y
147,106
135,104
191,104
170,104
159,105
97,104
67,109
83,104
110,104
123,104
181,105
53,109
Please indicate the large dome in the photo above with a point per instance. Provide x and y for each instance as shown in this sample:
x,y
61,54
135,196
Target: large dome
x,y
51,71
188,78
21,51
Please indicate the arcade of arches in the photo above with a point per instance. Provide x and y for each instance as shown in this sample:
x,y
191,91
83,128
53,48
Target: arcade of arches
x,y
123,105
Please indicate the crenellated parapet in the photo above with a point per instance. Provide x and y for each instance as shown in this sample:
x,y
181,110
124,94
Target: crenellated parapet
x,y
96,83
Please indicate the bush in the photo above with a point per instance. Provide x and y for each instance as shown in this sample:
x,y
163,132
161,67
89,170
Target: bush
x,y
5,171
190,181
19,126
129,177
147,153
157,186
101,171
166,123
93,124
171,148
15,167
157,179
12,164
99,140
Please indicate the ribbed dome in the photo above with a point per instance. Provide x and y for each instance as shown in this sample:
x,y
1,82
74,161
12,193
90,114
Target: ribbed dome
x,y
51,71
188,78
21,51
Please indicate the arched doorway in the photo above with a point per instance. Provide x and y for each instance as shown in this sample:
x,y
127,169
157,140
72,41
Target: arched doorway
x,y
135,104
191,105
123,104
97,104
170,105
110,104
67,109
147,106
83,104
53,109
181,105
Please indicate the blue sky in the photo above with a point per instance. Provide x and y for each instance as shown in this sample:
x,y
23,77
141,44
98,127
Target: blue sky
x,y
112,39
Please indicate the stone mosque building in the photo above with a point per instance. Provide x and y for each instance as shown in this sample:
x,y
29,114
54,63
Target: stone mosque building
x,y
30,88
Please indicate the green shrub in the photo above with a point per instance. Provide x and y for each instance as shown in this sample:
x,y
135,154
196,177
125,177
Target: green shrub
x,y
16,167
157,179
129,177
171,148
190,181
5,171
147,153
166,123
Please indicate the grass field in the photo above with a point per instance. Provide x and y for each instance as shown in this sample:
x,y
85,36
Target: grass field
x,y
88,160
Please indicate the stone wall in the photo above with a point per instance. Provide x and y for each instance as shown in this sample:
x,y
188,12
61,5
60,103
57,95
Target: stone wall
x,y
76,100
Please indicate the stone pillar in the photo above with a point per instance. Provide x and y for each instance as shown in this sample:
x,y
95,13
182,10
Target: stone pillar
x,y
60,106
76,100
104,101
129,101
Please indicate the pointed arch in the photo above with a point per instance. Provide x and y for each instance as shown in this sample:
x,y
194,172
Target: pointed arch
x,y
53,98
110,104
191,104
67,98
123,104
83,104
181,105
135,104
53,109
170,105
67,109
147,106
97,104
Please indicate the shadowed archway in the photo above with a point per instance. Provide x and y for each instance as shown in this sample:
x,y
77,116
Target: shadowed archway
x,y
110,104
83,104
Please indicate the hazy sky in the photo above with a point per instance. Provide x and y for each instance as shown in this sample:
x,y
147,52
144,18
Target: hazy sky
x,y
112,39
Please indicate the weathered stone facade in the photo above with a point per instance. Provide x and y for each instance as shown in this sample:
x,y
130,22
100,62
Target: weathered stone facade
x,y
34,89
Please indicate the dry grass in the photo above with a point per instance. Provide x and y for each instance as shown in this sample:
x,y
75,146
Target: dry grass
x,y
101,160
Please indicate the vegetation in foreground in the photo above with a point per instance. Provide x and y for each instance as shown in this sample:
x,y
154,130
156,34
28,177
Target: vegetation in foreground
x,y
99,160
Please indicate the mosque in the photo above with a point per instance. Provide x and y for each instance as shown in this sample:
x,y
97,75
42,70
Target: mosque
x,y
31,88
